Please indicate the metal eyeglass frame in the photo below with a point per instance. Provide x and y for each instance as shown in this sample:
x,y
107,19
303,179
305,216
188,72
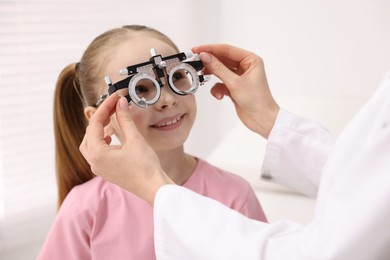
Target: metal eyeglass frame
x,y
154,70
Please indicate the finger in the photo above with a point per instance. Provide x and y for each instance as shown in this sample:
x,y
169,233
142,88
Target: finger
x,y
219,90
216,67
125,121
224,52
105,110
233,66
238,60
95,130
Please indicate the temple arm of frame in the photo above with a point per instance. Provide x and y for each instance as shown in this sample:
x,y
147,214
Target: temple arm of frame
x,y
124,83
197,64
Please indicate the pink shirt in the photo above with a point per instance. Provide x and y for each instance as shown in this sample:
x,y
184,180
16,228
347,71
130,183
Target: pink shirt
x,y
99,220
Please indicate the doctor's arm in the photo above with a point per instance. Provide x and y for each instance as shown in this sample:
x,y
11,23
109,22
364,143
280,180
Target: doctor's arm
x,y
297,148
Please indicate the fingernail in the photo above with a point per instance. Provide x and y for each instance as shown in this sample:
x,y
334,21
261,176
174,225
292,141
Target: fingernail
x,y
123,103
205,57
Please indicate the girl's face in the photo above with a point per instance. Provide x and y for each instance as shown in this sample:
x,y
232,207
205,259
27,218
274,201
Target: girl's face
x,y
166,124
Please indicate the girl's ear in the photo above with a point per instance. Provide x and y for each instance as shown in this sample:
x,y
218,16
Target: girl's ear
x,y
89,111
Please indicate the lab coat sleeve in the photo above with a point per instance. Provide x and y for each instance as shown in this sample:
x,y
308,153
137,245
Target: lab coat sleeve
x,y
297,149
198,228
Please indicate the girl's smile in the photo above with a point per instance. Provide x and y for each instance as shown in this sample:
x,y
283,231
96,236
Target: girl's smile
x,y
169,123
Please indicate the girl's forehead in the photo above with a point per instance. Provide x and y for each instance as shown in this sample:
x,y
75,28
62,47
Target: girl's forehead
x,y
134,51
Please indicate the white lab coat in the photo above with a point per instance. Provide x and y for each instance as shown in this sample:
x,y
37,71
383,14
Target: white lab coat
x,y
352,177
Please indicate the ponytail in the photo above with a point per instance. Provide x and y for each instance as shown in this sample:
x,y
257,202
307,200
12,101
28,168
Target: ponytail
x,y
69,129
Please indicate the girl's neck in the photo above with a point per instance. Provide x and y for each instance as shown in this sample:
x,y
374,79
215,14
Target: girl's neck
x,y
178,165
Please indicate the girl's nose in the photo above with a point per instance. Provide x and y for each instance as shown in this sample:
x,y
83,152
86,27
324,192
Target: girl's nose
x,y
167,99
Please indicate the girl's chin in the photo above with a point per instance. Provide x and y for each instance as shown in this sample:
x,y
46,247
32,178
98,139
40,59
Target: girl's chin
x,y
167,146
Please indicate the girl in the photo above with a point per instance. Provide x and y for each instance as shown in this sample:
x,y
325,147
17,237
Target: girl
x,y
97,219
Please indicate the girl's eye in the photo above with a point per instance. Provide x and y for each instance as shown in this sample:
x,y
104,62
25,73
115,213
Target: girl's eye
x,y
141,89
178,75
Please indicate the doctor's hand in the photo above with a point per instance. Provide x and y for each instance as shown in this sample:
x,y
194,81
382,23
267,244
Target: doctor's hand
x,y
134,166
244,81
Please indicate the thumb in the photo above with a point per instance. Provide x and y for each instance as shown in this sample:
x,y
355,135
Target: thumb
x,y
125,121
216,67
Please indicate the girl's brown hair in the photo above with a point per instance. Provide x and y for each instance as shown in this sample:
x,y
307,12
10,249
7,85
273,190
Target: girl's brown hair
x,y
78,86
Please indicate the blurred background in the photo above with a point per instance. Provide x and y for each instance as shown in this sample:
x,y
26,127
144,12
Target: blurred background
x,y
323,60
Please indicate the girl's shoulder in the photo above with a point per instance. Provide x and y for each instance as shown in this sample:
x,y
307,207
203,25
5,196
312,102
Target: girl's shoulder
x,y
222,185
92,194
212,174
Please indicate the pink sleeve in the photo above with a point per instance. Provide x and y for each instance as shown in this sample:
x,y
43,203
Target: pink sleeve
x,y
252,208
69,234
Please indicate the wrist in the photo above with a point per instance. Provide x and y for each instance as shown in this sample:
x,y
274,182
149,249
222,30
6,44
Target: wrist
x,y
160,179
266,120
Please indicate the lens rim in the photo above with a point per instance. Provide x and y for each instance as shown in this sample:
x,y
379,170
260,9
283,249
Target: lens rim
x,y
142,102
194,75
